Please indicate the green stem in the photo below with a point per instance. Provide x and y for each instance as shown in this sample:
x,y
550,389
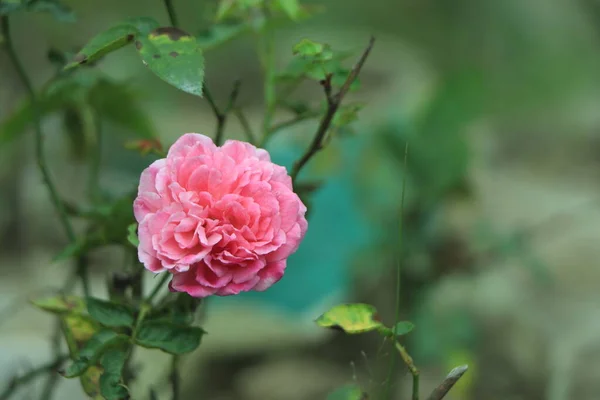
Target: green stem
x,y
96,161
157,287
398,264
39,138
245,125
411,367
268,64
16,382
220,116
174,378
171,12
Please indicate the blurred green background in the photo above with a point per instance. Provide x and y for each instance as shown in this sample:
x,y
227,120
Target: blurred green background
x,y
499,102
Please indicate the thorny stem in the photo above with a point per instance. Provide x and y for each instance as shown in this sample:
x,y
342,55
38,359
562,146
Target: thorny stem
x,y
333,103
31,375
442,390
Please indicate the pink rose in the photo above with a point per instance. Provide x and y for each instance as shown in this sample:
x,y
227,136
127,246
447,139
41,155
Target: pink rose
x,y
222,220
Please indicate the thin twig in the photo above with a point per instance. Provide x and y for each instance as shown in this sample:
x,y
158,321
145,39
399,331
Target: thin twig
x,y
39,137
411,367
14,383
334,102
245,125
267,52
41,162
171,12
211,101
222,116
294,121
453,377
158,286
96,160
398,261
175,379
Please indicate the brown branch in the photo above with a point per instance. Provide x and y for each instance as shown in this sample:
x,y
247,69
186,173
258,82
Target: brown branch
x,y
442,390
333,103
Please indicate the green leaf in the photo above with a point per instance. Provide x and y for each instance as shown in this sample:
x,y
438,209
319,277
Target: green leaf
x,y
403,327
80,246
308,48
347,114
175,57
60,304
226,9
111,383
172,338
220,33
179,310
291,8
92,351
132,235
348,392
106,42
351,318
109,313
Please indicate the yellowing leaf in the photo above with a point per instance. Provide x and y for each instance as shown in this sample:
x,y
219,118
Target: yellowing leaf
x,y
348,392
60,304
351,318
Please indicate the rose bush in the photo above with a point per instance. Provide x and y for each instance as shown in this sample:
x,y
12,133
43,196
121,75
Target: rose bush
x,y
222,220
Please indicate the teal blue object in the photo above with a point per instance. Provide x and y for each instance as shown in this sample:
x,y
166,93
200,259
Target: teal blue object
x,y
337,229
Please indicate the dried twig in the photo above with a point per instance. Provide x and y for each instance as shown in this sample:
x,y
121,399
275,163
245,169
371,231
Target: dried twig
x,y
442,390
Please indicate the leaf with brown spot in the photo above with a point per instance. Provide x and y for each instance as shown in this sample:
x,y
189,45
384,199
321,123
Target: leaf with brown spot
x,y
113,39
180,61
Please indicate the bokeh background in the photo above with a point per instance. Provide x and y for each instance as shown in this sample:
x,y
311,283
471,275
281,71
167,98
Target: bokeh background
x,y
499,101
